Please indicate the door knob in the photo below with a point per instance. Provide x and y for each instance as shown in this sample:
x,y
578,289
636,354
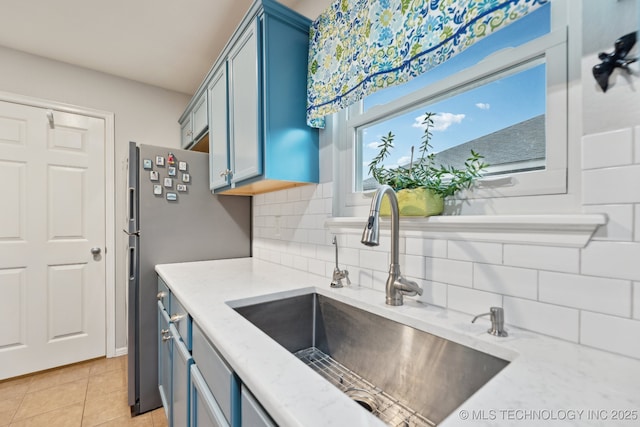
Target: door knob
x,y
96,251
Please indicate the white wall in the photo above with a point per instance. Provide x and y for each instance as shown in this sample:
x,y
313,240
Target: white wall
x,y
589,296
143,113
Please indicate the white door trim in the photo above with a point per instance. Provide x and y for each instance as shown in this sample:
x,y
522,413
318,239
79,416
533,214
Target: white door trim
x,y
110,225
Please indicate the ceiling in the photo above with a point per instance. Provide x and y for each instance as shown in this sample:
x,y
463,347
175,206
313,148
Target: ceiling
x,y
170,44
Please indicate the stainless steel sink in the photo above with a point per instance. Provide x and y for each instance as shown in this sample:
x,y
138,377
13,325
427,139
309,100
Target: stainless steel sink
x,y
405,376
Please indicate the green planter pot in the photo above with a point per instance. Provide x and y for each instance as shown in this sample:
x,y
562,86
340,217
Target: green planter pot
x,y
415,202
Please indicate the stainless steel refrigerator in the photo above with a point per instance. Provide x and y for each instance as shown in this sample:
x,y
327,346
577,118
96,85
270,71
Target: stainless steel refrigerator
x,y
172,217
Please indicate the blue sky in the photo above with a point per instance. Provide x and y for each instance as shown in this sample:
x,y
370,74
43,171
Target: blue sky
x,y
473,113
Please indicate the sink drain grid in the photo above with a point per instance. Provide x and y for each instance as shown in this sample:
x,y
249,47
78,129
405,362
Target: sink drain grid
x,y
382,405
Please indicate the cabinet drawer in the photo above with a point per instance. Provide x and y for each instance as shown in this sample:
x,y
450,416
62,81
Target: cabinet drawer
x,y
164,295
205,411
215,371
253,414
182,321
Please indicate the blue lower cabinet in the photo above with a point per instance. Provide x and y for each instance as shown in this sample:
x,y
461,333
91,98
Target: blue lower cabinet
x,y
180,399
253,414
205,411
165,349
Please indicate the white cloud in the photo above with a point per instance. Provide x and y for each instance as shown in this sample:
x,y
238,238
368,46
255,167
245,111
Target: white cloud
x,y
441,121
404,160
373,145
483,106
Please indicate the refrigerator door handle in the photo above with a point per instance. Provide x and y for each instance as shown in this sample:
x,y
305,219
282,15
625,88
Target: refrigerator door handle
x,y
133,265
133,209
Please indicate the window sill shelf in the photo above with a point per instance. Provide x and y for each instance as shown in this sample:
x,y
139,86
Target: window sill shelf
x,y
548,230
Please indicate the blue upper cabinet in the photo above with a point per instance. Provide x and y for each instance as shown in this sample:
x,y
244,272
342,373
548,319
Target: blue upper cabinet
x,y
256,91
193,123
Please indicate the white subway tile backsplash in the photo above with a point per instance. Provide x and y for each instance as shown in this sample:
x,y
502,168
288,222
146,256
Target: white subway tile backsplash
x,y
412,266
353,241
286,259
379,281
300,235
317,237
636,144
328,206
636,221
619,225
543,318
349,256
374,260
293,194
620,260
359,276
636,301
475,251
518,282
307,192
607,186
315,206
608,296
327,190
542,257
300,263
327,253
605,332
281,196
614,148
448,271
317,266
308,250
471,301
426,247
589,295
434,293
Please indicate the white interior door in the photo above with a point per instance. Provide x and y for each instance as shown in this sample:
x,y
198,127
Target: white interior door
x,y
52,238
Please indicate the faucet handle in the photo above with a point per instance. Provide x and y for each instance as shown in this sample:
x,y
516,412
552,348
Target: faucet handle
x,y
345,273
496,315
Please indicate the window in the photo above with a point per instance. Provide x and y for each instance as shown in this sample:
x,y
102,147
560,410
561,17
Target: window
x,y
505,97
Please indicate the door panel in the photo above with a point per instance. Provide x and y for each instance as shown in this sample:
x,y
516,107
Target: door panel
x,y
245,142
65,307
12,305
12,175
218,142
53,183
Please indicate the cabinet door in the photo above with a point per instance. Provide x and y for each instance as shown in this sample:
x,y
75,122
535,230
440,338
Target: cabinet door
x,y
253,414
181,380
218,140
186,133
244,98
199,116
216,373
164,360
205,411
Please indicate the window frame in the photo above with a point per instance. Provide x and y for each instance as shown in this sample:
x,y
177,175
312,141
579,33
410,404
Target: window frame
x,y
492,192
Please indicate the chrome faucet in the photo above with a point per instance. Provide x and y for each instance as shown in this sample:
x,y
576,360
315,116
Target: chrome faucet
x,y
496,315
338,275
396,286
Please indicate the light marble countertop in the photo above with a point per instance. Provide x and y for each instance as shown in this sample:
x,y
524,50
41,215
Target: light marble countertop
x,y
548,382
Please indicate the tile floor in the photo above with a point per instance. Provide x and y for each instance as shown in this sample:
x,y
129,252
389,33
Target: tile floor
x,y
91,393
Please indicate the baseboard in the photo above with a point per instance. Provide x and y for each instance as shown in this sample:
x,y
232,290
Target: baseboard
x,y
120,351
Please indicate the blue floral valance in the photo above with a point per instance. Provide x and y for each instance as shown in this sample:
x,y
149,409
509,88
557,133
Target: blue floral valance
x,y
359,46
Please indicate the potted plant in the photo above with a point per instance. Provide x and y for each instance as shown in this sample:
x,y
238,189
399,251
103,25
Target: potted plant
x,y
422,186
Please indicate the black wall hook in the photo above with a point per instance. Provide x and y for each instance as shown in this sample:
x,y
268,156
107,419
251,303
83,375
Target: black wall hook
x,y
617,59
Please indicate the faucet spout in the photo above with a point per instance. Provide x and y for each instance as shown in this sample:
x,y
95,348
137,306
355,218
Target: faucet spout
x,y
396,286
